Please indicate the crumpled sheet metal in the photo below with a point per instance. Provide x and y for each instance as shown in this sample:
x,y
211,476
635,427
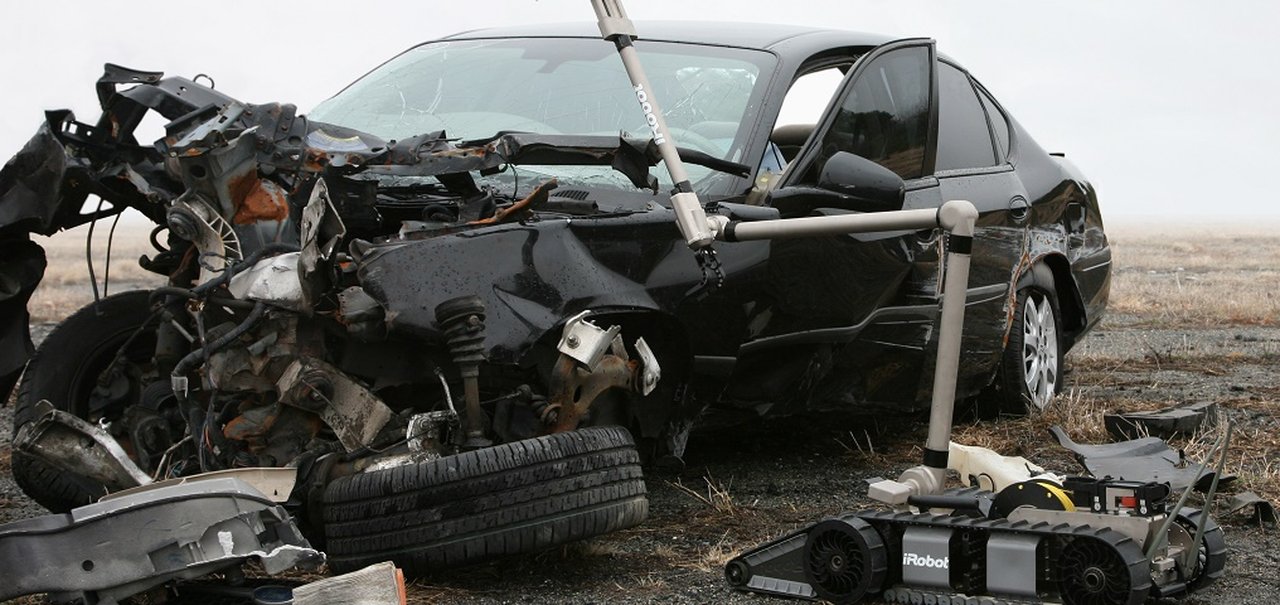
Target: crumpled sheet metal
x,y
110,550
1146,459
68,443
1263,511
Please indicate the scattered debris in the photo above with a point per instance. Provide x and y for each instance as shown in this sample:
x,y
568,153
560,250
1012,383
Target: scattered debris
x,y
1146,459
1183,419
107,551
1263,511
380,584
989,470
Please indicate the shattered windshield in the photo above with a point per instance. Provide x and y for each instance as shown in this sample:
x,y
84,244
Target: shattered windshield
x,y
473,89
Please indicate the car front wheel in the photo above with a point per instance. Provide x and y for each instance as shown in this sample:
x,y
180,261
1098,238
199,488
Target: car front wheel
x,y
513,498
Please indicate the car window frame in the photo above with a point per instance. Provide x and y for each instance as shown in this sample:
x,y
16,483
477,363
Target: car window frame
x,y
1011,152
803,162
1002,162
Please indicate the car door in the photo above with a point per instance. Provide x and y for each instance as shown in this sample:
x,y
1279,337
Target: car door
x,y
971,164
830,318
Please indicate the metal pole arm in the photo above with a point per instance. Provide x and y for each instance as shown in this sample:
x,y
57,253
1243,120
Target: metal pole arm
x,y
616,27
958,218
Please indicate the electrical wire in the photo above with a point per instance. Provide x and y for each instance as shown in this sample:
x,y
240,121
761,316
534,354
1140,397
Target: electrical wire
x,y
106,271
88,253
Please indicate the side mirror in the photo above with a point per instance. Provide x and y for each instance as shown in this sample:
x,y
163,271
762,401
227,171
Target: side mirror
x,y
870,186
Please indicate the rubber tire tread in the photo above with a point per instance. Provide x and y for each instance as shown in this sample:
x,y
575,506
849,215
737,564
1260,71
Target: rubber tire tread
x,y
51,374
1008,396
1214,543
513,498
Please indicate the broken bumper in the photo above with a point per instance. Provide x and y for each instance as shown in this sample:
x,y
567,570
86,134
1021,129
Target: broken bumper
x,y
127,544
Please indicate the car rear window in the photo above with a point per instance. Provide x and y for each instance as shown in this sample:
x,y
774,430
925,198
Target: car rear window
x,y
964,138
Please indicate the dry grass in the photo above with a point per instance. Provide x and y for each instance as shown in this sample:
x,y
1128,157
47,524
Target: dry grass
x,y
717,497
1078,415
66,285
1193,275
714,557
1253,454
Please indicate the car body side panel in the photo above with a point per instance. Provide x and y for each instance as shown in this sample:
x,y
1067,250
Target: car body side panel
x,y
1058,193
536,274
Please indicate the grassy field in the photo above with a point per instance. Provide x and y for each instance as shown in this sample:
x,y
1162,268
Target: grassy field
x,y
66,285
1196,274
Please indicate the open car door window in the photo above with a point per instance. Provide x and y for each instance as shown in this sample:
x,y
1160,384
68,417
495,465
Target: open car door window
x,y
886,112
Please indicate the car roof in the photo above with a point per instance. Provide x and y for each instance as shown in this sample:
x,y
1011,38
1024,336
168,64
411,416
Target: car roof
x,y
778,38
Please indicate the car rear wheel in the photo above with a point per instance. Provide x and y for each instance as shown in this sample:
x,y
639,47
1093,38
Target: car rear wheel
x,y
1030,372
513,498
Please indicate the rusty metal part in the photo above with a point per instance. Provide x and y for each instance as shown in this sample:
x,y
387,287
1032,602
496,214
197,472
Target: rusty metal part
x,y
74,446
522,208
462,320
361,314
256,199
574,388
355,414
257,365
428,432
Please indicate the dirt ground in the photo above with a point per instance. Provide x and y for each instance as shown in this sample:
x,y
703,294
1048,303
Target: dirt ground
x,y
1196,318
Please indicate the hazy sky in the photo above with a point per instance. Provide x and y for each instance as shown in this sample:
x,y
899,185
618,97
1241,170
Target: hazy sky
x,y
1168,107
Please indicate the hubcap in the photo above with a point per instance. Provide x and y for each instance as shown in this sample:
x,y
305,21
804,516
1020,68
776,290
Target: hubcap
x,y
1039,351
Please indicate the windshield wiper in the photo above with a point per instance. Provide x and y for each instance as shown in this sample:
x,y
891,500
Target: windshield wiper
x,y
631,157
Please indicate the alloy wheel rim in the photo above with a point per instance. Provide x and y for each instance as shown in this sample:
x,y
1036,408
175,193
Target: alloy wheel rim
x,y
1039,351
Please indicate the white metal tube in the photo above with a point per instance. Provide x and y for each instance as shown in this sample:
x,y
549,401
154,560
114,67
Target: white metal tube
x,y
812,226
958,217
948,359
690,217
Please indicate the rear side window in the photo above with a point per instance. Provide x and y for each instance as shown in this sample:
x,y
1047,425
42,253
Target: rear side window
x,y
885,117
999,123
964,139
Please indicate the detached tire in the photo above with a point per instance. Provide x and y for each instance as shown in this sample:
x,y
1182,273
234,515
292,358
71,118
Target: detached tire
x,y
508,499
65,370
1030,372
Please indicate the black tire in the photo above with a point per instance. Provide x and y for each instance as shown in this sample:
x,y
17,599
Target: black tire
x,y
1011,394
508,499
64,371
1212,557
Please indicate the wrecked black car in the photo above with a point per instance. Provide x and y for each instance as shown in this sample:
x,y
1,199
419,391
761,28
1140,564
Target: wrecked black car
x,y
454,296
